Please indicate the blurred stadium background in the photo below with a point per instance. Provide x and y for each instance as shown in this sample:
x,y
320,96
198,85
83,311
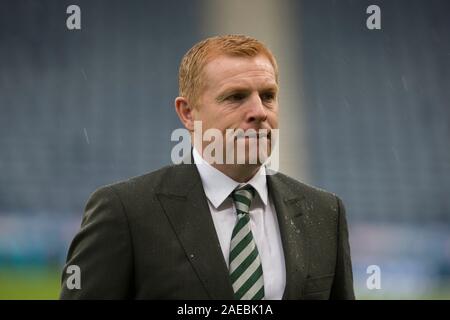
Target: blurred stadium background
x,y
365,114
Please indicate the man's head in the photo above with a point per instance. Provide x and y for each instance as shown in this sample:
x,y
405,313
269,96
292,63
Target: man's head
x,y
190,77
228,82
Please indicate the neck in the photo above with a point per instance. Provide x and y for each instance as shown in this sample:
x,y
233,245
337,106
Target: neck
x,y
240,173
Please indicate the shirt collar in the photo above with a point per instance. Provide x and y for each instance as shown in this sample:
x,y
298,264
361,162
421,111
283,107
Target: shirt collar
x,y
218,186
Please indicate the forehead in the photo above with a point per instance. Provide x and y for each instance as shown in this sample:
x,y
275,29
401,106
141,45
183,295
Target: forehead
x,y
224,71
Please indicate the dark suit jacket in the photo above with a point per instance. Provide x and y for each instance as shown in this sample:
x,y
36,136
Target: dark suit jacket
x,y
153,237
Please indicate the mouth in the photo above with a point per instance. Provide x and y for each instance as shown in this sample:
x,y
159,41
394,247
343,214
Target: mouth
x,y
252,134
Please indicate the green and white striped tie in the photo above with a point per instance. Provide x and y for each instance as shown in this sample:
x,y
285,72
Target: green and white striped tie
x,y
245,266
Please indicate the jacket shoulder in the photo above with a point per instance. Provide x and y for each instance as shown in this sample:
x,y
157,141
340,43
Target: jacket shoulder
x,y
171,177
301,188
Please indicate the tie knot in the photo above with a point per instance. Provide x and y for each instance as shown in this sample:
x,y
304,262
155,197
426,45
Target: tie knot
x,y
243,198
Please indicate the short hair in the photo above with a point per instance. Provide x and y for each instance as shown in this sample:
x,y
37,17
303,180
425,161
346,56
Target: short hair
x,y
193,62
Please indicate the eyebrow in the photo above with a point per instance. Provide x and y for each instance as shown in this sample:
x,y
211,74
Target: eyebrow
x,y
242,89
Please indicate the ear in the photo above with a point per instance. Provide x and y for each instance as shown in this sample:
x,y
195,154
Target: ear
x,y
185,112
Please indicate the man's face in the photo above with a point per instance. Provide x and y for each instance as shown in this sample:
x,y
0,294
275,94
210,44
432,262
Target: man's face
x,y
238,93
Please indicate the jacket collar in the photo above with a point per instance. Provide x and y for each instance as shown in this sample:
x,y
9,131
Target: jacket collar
x,y
184,201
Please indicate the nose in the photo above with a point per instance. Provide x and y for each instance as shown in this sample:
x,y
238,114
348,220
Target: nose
x,y
257,111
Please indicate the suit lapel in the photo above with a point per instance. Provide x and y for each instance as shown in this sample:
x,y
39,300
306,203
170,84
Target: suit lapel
x,y
186,207
185,204
288,206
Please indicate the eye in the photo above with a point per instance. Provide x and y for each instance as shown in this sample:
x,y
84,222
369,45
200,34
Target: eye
x,y
268,96
236,97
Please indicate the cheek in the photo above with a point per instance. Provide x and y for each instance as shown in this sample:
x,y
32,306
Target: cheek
x,y
223,121
214,116
215,121
273,120
206,117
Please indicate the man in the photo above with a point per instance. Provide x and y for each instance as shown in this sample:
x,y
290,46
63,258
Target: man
x,y
215,230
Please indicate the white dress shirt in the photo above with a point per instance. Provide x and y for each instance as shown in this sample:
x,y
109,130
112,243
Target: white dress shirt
x,y
263,222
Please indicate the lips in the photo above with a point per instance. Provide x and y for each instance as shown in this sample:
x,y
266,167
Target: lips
x,y
263,133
